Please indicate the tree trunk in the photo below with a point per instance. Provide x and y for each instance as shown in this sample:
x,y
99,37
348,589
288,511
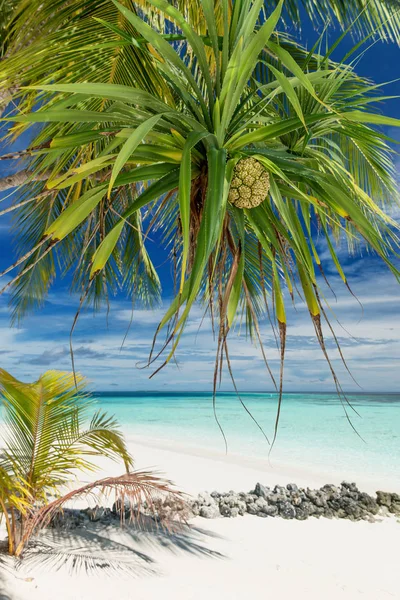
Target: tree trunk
x,y
21,178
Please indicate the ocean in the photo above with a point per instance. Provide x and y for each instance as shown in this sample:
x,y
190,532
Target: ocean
x,y
314,431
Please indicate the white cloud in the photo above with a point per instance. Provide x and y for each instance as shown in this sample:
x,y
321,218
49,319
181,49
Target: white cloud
x,y
372,353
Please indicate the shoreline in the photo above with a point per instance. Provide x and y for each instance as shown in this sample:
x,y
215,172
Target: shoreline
x,y
201,469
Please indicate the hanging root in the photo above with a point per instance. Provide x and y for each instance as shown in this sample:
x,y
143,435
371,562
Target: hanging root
x,y
218,369
264,292
334,337
326,280
223,299
356,298
282,336
342,396
238,394
170,336
256,327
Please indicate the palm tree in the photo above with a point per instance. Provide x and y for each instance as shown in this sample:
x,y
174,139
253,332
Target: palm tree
x,y
240,148
48,439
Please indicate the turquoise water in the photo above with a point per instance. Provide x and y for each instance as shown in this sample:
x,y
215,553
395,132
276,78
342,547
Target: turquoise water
x,y
313,430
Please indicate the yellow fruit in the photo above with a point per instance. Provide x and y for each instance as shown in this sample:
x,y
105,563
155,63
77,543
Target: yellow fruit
x,y
250,184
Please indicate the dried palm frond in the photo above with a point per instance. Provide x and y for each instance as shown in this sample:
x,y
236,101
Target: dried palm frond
x,y
132,491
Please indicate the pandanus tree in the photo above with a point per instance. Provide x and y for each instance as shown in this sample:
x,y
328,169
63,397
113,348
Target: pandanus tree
x,y
240,146
50,437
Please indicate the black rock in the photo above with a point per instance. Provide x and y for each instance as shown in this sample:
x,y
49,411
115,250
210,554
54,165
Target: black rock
x,y
68,519
332,492
232,500
270,510
250,498
241,507
335,505
277,498
319,511
280,489
301,515
292,487
369,503
261,503
305,508
349,487
252,509
261,490
351,507
353,495
225,510
384,498
287,511
395,508
316,497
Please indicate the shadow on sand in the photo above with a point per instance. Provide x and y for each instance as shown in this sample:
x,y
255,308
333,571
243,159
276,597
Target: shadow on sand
x,y
6,568
128,550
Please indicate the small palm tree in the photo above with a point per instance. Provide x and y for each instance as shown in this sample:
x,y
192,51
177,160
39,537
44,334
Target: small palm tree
x,y
245,151
48,438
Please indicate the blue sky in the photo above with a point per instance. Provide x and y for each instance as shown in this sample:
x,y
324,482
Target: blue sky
x,y
370,339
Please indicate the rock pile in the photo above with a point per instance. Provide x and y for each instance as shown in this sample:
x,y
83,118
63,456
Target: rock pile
x,y
288,502
291,502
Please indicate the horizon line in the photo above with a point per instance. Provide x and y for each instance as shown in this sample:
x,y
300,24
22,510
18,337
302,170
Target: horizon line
x,y
334,393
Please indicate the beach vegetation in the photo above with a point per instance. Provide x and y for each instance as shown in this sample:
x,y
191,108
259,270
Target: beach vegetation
x,y
51,436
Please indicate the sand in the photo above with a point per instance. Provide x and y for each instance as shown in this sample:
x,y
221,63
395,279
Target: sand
x,y
245,557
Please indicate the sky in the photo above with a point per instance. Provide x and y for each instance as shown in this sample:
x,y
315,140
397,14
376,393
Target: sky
x,y
369,336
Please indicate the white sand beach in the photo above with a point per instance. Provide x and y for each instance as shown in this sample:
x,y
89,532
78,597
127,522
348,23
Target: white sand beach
x,y
212,559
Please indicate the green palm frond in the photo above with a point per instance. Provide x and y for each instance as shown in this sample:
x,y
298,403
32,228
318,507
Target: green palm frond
x,y
66,36
381,17
7,9
46,437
